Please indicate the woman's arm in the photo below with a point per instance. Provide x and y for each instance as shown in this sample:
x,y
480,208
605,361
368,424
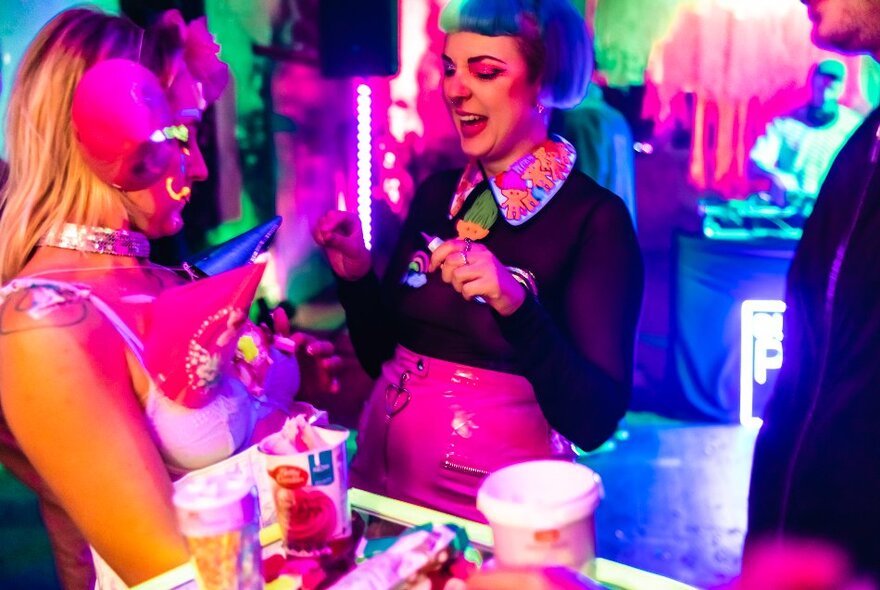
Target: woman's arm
x,y
371,321
582,372
339,234
68,397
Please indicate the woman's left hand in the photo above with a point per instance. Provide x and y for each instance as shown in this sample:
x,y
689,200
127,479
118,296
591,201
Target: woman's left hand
x,y
319,366
474,271
318,362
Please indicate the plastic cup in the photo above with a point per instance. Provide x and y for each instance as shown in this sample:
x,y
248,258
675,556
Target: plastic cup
x,y
310,490
218,516
541,513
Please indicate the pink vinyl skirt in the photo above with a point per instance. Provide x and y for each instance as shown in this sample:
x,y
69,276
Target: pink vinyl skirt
x,y
432,430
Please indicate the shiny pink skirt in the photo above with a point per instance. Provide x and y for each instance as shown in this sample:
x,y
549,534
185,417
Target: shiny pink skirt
x,y
432,430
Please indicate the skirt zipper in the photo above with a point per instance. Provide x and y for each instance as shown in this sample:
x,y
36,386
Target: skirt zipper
x,y
447,464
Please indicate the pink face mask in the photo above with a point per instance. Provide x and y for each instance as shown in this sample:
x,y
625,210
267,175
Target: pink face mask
x,y
123,123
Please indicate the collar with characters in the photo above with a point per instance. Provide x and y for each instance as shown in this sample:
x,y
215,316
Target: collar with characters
x,y
526,187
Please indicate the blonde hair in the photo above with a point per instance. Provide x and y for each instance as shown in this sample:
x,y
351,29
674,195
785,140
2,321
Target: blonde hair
x,y
49,181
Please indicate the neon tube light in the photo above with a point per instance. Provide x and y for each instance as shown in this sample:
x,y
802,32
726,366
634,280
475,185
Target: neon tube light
x,y
760,350
365,161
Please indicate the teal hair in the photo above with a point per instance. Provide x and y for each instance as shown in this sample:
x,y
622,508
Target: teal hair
x,y
551,34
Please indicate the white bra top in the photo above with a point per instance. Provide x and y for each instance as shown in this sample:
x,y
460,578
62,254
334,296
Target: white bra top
x,y
187,438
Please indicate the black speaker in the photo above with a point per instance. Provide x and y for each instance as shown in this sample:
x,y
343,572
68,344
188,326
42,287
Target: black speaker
x,y
358,38
144,12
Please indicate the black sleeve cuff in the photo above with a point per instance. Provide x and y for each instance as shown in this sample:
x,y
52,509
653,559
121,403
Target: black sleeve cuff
x,y
351,293
523,324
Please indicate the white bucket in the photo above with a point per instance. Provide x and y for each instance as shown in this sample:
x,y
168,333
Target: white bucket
x,y
541,513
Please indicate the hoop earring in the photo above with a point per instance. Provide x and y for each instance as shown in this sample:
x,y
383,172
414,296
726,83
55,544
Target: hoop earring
x,y
541,108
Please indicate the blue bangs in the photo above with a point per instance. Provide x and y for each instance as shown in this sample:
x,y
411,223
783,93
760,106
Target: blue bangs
x,y
485,17
553,39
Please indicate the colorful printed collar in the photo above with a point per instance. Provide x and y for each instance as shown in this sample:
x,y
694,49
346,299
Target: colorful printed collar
x,y
527,186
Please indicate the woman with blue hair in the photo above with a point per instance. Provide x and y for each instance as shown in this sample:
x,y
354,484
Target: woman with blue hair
x,y
508,312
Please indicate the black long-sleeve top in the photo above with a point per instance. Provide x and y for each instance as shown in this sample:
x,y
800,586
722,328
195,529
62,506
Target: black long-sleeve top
x,y
816,470
574,342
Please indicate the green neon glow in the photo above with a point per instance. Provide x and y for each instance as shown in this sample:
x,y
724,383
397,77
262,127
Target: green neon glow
x,y
178,577
408,514
230,229
746,219
608,573
178,132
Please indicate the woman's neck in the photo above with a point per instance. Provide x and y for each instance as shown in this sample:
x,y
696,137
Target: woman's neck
x,y
97,240
495,167
530,132
112,277
47,258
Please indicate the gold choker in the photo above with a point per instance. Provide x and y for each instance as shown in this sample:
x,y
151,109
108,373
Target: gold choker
x,y
98,240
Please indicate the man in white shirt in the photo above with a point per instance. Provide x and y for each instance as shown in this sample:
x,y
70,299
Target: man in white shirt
x,y
797,149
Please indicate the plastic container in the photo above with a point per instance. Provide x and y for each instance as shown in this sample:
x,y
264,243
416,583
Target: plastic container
x,y
219,517
541,513
310,489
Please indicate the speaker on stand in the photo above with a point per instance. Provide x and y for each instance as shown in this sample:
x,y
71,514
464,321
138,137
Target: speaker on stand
x,y
358,38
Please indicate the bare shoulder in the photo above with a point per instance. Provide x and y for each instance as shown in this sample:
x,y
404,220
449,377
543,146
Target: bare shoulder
x,y
54,348
68,397
49,332
41,306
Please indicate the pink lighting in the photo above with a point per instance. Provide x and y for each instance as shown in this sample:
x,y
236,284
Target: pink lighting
x,y
365,161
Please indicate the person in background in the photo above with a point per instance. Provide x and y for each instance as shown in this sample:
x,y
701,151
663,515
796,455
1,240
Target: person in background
x,y
815,471
796,149
83,421
798,564
509,308
604,143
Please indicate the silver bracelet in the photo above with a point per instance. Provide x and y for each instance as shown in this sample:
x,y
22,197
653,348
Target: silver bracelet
x,y
525,278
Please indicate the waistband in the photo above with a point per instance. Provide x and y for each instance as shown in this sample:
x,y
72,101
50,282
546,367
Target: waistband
x,y
427,367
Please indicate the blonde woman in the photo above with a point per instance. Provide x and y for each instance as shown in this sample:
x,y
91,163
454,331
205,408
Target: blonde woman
x,y
103,440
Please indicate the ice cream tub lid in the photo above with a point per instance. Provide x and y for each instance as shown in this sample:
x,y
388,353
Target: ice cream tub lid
x,y
298,436
539,494
215,503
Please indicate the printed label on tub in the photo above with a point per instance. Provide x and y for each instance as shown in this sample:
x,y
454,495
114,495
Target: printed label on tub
x,y
311,494
322,468
549,536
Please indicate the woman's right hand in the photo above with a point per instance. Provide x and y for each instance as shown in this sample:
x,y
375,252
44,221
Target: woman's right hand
x,y
339,234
